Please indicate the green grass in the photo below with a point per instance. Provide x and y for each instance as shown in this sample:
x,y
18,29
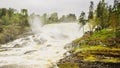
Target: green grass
x,y
103,34
100,52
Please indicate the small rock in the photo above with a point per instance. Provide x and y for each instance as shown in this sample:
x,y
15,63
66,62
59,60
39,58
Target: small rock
x,y
29,52
49,45
17,46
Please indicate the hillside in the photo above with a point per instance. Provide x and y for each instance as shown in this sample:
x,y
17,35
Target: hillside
x,y
99,50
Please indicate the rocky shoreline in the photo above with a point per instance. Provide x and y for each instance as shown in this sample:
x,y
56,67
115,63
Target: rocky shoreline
x,y
72,61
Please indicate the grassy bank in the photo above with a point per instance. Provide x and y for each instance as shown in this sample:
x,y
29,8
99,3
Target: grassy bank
x,y
100,50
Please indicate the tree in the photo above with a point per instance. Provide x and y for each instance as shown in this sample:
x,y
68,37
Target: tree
x,y
62,19
109,14
116,8
53,18
114,21
71,17
0,12
115,5
115,16
24,17
82,20
102,14
44,18
10,12
4,11
24,12
91,15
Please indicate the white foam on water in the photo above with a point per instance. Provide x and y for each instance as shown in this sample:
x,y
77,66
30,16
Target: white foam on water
x,y
44,49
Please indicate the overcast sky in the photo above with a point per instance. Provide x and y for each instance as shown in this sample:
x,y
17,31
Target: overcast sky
x,y
50,6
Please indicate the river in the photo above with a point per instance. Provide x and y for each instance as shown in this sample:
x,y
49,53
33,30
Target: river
x,y
40,50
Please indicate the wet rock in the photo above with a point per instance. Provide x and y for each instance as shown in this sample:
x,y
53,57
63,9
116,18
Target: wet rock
x,y
17,46
1,49
66,54
57,52
29,52
49,45
26,39
73,61
24,43
40,41
68,46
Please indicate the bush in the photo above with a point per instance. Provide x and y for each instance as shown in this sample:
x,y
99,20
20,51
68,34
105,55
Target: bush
x,y
117,34
10,33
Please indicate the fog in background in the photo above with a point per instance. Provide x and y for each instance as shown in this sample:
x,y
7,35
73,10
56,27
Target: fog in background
x,y
50,6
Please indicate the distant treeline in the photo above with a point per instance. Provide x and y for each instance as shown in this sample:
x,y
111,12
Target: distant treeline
x,y
13,17
53,18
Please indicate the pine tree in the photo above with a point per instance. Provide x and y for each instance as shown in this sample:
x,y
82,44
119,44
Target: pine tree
x,y
82,20
91,15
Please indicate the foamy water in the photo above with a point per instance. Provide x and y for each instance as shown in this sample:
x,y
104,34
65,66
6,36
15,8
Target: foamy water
x,y
42,50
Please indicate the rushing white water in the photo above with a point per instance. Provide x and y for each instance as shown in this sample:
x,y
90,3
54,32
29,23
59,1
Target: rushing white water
x,y
42,50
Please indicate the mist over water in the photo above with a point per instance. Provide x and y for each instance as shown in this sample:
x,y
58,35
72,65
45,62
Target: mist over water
x,y
41,50
35,24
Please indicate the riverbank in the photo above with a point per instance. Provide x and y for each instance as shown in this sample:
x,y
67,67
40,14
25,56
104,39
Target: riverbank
x,y
98,50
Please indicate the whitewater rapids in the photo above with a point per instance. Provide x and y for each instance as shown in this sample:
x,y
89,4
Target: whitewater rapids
x,y
41,50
